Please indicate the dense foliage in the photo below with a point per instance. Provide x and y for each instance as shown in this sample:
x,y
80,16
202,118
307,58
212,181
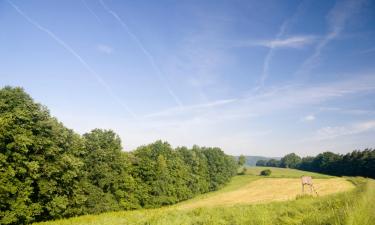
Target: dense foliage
x,y
47,171
356,163
266,172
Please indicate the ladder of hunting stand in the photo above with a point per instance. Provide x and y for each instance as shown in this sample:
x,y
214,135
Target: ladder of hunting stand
x,y
307,180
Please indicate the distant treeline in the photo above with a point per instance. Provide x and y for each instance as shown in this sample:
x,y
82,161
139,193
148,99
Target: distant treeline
x,y
252,160
48,171
356,163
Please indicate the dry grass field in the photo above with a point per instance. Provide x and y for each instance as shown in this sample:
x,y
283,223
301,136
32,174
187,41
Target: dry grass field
x,y
267,190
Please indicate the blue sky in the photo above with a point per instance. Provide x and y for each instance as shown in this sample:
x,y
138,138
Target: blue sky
x,y
252,77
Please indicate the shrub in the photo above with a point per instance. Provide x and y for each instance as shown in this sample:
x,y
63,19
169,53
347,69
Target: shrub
x,y
266,172
243,171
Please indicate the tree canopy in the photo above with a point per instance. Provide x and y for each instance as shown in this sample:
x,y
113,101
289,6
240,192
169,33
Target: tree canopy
x,y
356,163
48,171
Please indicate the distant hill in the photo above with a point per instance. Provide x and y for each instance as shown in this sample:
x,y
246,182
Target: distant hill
x,y
252,160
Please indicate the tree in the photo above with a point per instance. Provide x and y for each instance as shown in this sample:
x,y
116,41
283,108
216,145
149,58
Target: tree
x,y
40,168
273,163
241,160
306,163
261,162
48,171
290,161
107,168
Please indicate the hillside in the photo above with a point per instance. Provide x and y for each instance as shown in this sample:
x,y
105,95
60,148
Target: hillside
x,y
252,199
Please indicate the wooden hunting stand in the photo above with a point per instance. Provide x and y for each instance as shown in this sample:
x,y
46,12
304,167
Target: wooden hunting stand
x,y
307,180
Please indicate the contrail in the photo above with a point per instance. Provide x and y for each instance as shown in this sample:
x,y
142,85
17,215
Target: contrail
x,y
337,19
267,61
145,51
77,56
91,11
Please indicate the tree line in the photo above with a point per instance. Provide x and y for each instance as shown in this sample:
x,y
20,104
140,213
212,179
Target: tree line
x,y
355,163
48,171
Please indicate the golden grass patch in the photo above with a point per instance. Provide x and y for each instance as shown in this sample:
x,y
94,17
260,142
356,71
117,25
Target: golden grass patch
x,y
270,189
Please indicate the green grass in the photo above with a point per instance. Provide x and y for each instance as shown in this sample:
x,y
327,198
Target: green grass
x,y
284,172
355,207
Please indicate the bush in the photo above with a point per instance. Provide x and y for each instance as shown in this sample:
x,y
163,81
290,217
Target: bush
x,y
243,171
266,172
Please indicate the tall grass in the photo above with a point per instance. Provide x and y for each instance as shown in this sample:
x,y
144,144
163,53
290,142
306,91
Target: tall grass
x,y
356,207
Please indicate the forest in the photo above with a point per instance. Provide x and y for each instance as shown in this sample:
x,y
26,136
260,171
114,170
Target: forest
x,y
355,163
48,171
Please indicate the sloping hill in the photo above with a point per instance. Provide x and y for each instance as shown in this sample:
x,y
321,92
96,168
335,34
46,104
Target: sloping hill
x,y
234,204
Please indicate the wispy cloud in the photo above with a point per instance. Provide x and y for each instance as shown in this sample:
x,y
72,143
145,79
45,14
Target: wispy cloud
x,y
274,99
309,118
330,132
104,49
370,50
146,52
267,60
191,108
356,112
289,42
74,53
337,20
222,119
91,11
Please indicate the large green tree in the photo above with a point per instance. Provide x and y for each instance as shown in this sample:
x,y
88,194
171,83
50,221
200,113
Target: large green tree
x,y
107,170
48,172
40,168
290,161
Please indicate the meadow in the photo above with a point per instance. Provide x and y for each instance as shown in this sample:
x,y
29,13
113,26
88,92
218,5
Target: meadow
x,y
284,172
252,199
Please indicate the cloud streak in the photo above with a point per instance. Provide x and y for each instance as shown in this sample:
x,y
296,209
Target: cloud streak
x,y
68,48
329,132
220,122
273,100
91,11
290,42
337,20
147,53
272,48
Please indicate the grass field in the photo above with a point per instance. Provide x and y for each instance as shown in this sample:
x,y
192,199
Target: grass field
x,y
234,204
284,173
267,190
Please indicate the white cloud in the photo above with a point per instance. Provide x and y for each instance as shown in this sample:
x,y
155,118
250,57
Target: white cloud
x,y
272,99
105,49
338,131
308,118
271,52
241,124
290,42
